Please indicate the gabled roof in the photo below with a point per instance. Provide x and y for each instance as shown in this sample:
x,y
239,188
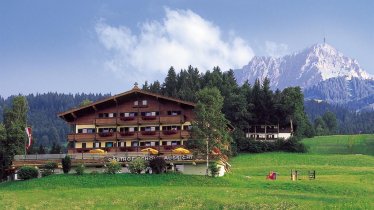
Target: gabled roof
x,y
135,90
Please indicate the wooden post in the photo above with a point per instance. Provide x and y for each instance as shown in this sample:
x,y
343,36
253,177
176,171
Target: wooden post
x,y
265,131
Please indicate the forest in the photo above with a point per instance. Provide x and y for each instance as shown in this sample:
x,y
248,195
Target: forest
x,y
242,106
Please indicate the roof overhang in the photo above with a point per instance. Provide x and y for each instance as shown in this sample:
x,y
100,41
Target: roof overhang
x,y
74,113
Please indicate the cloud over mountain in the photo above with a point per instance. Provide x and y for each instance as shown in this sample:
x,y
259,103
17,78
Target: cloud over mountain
x,y
182,38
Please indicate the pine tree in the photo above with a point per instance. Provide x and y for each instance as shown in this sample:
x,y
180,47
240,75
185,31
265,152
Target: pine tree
x,y
169,88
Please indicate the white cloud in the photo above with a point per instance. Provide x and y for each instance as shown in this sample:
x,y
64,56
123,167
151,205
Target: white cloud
x,y
276,50
183,38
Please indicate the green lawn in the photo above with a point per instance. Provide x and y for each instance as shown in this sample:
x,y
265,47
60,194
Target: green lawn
x,y
341,144
343,182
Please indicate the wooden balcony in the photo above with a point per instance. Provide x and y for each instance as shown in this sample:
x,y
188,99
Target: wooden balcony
x,y
129,118
81,137
171,134
149,117
127,135
149,135
168,119
149,120
185,134
163,149
127,121
110,136
106,121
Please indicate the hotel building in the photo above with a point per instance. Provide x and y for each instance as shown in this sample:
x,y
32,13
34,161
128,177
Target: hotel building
x,y
130,122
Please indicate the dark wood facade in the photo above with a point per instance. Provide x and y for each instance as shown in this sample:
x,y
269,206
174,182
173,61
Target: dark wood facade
x,y
129,122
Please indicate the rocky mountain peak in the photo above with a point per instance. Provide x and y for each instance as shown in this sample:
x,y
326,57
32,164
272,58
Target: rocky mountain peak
x,y
305,68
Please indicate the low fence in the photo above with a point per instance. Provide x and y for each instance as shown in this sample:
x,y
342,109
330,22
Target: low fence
x,y
82,156
39,157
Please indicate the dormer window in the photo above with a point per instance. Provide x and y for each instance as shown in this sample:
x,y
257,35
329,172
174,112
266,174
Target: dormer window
x,y
144,102
136,103
174,113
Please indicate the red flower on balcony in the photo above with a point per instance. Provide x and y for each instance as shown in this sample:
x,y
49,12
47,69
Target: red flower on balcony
x,y
127,118
127,133
170,132
149,117
105,134
149,132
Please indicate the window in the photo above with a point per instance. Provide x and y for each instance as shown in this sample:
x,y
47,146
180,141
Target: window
x,y
97,145
86,130
108,144
107,130
171,128
144,102
174,113
136,103
148,114
150,128
128,114
149,143
84,145
187,127
128,129
107,115
175,143
134,143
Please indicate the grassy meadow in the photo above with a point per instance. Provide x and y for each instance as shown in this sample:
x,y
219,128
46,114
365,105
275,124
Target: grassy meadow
x,y
342,182
341,144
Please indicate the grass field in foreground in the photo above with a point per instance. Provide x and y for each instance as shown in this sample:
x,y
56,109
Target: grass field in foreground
x,y
341,144
343,182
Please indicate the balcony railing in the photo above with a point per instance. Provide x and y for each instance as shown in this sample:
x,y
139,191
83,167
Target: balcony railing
x,y
148,133
169,119
127,133
106,121
81,137
149,117
163,149
170,132
130,118
108,134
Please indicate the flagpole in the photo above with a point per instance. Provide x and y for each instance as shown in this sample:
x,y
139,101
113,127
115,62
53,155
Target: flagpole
x,y
26,141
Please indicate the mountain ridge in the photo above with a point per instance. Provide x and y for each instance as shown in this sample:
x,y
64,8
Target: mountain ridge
x,y
304,68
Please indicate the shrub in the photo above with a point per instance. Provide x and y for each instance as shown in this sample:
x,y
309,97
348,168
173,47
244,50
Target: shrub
x,y
51,166
137,166
46,172
213,168
66,164
80,169
113,167
27,172
293,144
157,165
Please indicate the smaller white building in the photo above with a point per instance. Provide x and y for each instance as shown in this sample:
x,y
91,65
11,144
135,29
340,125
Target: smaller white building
x,y
268,132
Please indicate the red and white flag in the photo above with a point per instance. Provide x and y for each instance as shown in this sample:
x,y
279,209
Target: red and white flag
x,y
29,136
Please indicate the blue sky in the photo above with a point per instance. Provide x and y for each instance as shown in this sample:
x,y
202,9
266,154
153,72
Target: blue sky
x,y
106,46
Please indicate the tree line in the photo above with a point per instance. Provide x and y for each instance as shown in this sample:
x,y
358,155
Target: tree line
x,y
242,105
47,128
334,119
